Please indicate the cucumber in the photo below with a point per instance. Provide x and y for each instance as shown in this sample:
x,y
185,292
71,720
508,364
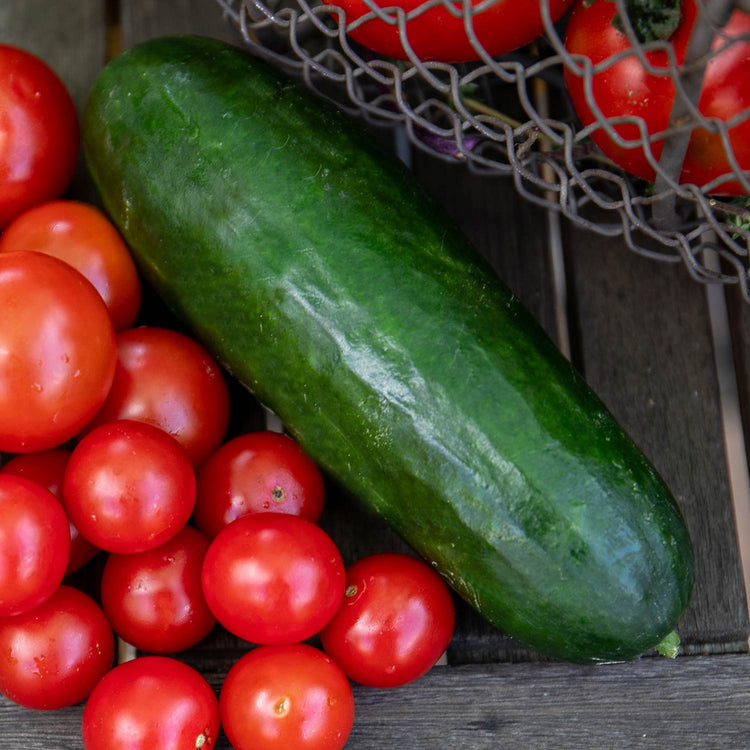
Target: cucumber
x,y
324,281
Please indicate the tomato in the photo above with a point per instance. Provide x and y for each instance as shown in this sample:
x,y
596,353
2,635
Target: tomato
x,y
53,655
151,702
627,89
394,623
48,469
154,599
39,133
129,487
57,352
440,34
289,697
82,236
165,378
253,473
34,544
273,578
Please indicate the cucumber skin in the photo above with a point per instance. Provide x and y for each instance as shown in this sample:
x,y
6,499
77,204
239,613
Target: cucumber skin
x,y
328,284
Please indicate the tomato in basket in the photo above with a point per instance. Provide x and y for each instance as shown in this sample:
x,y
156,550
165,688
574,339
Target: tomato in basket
x,y
625,88
438,31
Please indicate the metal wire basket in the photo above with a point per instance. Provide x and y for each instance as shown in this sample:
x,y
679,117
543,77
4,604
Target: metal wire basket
x,y
511,115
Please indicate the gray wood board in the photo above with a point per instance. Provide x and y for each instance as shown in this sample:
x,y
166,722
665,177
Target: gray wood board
x,y
644,337
695,702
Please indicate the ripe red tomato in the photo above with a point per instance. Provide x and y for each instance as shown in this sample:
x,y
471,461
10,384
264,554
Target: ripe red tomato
x,y
129,487
57,352
165,378
34,544
82,236
627,89
272,578
151,702
440,34
289,697
39,133
48,469
394,623
154,600
253,473
53,655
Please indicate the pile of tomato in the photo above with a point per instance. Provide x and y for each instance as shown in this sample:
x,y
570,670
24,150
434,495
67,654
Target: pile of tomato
x,y
117,449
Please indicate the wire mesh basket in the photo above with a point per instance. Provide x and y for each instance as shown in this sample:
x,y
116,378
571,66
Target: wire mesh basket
x,y
511,114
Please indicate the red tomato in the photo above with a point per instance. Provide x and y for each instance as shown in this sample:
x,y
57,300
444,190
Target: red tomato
x,y
129,487
82,236
289,697
253,473
48,469
272,578
148,703
395,621
626,89
57,352
39,134
34,544
154,600
53,655
165,378
440,34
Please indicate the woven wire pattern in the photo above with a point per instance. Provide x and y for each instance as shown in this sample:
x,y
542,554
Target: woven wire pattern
x,y
516,121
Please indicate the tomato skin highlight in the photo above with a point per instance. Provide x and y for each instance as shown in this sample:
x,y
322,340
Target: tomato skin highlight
x,y
167,379
394,623
34,544
151,702
626,88
39,133
47,468
57,352
129,487
254,473
440,35
273,578
291,697
52,656
82,236
154,600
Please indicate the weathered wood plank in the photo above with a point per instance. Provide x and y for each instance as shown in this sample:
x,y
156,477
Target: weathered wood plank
x,y
646,348
695,702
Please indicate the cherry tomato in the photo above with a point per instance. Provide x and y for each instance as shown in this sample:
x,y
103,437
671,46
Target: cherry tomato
x,y
39,133
272,578
57,352
48,469
34,544
289,697
253,473
627,89
53,655
395,621
438,33
154,599
165,378
151,702
129,487
82,236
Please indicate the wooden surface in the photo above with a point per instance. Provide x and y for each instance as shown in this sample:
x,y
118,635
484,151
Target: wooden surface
x,y
647,338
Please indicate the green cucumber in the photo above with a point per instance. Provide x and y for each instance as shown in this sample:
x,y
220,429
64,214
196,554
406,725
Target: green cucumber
x,y
328,284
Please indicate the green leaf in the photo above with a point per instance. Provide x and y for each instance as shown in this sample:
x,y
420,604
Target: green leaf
x,y
651,19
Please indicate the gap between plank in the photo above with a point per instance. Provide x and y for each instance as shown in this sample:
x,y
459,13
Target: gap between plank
x,y
729,404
